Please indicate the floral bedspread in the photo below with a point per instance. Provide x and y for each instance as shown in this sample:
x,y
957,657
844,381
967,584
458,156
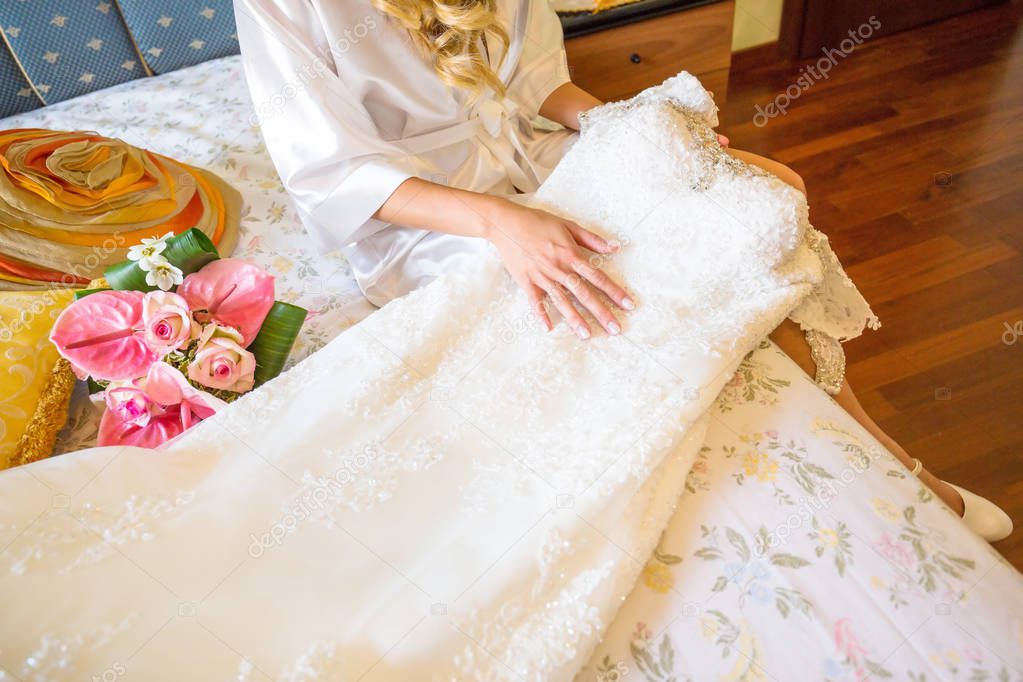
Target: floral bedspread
x,y
801,550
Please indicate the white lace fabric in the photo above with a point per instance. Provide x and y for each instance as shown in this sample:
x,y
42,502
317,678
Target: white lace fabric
x,y
445,491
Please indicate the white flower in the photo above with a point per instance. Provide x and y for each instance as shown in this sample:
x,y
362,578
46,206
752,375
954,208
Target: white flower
x,y
148,252
164,275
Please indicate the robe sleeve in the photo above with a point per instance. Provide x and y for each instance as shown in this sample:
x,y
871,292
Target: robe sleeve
x,y
323,142
543,65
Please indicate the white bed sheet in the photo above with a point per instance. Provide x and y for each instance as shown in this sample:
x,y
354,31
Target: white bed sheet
x,y
864,573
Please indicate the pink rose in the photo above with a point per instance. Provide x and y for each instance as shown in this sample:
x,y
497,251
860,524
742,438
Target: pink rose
x,y
221,362
129,403
167,322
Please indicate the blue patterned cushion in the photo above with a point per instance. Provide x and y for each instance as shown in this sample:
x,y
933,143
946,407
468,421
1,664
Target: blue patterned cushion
x,y
70,47
16,95
172,35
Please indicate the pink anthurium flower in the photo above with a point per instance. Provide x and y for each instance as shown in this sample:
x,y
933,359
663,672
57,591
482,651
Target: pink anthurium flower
x,y
102,336
150,411
232,292
166,386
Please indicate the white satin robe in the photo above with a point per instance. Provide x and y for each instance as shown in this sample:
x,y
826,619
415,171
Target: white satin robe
x,y
350,109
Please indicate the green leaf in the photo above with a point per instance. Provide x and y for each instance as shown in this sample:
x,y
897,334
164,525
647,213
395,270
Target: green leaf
x,y
666,558
644,660
788,560
763,540
927,577
783,607
708,553
738,542
95,386
961,561
667,654
82,293
909,513
275,339
876,669
188,251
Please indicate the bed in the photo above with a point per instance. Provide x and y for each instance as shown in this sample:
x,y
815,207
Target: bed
x,y
800,549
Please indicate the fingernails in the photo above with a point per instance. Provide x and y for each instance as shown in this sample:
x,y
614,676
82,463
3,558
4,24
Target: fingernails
x,y
614,329
628,304
583,331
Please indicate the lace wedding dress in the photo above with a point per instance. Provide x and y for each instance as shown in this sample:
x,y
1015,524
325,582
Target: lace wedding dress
x,y
445,491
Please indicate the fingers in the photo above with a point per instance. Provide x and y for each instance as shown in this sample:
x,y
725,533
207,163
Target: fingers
x,y
599,279
588,297
538,302
595,242
590,240
567,310
723,141
559,268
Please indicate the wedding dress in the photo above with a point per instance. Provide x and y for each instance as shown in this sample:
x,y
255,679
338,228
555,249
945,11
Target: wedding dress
x,y
445,491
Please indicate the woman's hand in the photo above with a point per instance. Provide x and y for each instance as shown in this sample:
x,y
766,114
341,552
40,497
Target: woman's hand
x,y
547,256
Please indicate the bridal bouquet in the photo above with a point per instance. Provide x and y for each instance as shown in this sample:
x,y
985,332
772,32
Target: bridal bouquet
x,y
180,333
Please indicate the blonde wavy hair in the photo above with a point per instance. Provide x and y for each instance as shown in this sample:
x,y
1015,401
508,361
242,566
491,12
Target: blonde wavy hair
x,y
452,33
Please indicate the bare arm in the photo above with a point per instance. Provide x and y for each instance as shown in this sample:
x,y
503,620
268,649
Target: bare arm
x,y
546,255
566,103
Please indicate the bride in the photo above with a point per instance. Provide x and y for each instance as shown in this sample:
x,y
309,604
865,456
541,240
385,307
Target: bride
x,y
404,135
459,486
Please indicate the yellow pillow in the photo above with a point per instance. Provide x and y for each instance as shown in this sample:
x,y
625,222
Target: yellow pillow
x,y
35,382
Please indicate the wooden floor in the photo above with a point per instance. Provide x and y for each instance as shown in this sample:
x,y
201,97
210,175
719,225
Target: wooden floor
x,y
912,152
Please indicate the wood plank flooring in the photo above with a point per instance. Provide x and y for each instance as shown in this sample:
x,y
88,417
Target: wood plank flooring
x,y
912,153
